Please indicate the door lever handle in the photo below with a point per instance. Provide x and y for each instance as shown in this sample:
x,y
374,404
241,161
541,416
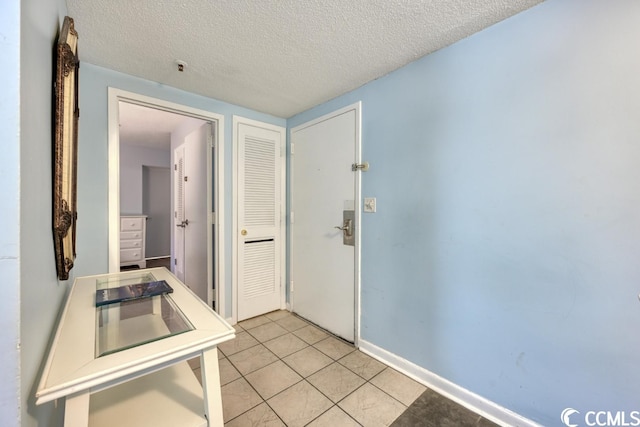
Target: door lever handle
x,y
183,224
347,227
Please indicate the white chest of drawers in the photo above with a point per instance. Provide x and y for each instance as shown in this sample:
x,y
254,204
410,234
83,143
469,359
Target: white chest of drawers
x,y
132,237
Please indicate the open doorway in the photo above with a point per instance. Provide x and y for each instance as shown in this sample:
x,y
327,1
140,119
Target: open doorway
x,y
144,134
156,207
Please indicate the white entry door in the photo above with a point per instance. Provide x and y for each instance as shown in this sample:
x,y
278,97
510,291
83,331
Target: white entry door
x,y
259,217
191,213
324,271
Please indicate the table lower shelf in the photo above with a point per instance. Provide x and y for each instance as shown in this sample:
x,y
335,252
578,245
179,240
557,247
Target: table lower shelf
x,y
170,397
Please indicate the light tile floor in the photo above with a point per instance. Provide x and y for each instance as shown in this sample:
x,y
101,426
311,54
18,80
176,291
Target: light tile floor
x,y
280,370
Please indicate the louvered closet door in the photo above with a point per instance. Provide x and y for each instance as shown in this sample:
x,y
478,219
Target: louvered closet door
x,y
259,219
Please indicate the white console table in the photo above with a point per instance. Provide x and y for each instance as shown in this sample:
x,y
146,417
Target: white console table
x,y
125,364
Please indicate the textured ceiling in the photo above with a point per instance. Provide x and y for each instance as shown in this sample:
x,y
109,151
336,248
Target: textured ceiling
x,y
276,56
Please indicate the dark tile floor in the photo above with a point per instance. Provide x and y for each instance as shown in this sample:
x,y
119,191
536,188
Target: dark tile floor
x,y
434,410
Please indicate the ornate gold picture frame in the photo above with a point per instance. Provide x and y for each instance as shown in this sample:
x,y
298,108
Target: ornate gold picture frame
x,y
65,149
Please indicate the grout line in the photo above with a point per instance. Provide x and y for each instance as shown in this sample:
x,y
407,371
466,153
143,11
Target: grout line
x,y
273,410
241,414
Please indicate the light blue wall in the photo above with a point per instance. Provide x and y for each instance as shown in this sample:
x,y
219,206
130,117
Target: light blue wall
x,y
93,158
132,159
504,252
10,213
41,293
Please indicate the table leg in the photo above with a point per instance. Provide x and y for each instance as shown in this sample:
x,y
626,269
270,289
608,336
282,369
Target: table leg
x,y
211,387
157,304
76,410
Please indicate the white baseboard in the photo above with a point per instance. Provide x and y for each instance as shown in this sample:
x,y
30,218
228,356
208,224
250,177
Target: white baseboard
x,y
230,321
460,395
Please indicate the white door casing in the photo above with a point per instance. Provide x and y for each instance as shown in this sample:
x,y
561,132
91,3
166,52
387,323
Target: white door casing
x,y
325,273
258,217
216,271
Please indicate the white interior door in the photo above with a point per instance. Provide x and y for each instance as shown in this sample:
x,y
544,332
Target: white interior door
x,y
323,269
195,251
259,217
179,212
191,213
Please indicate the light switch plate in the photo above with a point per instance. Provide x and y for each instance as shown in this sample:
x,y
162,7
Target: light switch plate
x,y
369,204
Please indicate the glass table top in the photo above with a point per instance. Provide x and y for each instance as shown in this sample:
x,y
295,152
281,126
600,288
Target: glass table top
x,y
126,324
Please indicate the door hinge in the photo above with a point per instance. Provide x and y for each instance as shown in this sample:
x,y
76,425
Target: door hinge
x,y
175,261
292,217
360,166
186,178
210,140
292,150
291,286
175,167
